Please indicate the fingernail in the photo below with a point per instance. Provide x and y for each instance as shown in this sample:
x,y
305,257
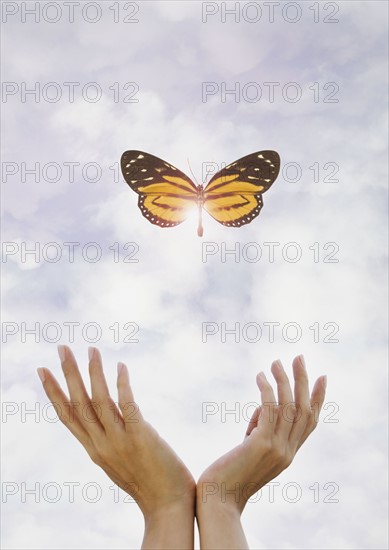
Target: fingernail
x,y
91,353
41,374
325,381
302,361
279,364
261,378
62,353
120,367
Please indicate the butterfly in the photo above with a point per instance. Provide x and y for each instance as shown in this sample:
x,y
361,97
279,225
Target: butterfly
x,y
233,196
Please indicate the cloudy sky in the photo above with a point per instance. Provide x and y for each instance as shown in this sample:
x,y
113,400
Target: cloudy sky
x,y
155,76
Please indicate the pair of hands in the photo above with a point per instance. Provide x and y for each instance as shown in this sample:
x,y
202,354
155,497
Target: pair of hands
x,y
138,460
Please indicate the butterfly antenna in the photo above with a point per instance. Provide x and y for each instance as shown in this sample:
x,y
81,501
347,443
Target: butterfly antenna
x,y
193,176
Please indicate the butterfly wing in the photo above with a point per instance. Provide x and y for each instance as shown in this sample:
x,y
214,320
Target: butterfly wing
x,y
233,196
165,193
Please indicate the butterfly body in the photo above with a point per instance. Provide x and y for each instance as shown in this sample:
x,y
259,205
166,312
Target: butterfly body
x,y
233,196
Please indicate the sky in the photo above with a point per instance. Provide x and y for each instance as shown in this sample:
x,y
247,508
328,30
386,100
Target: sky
x,y
199,84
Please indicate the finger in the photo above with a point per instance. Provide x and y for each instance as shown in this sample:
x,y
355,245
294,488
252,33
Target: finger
x,y
63,407
129,409
284,390
285,399
302,400
317,400
269,410
103,403
253,421
77,391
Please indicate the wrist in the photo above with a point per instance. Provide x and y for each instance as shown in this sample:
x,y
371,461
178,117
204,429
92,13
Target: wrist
x,y
168,513
170,526
220,499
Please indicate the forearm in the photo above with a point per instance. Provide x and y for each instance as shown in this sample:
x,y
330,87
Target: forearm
x,y
220,527
170,530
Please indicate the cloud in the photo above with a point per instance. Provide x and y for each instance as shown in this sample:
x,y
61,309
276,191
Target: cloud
x,y
164,298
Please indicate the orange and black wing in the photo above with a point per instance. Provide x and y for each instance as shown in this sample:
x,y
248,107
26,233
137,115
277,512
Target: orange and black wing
x,y
233,196
165,193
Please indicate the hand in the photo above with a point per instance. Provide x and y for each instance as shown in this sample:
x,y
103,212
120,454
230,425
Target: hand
x,y
124,445
275,433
